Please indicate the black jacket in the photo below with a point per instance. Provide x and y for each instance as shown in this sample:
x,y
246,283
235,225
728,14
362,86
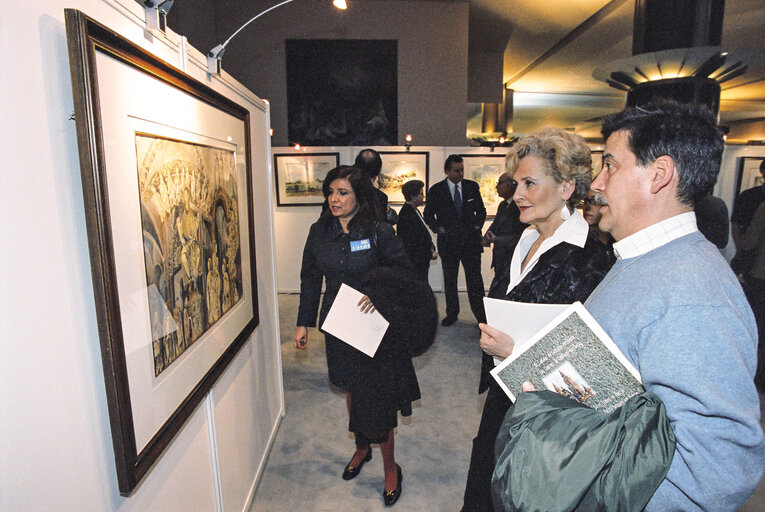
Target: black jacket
x,y
563,275
415,236
462,232
327,254
508,228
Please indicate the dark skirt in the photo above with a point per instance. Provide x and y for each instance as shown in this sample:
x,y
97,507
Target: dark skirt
x,y
380,387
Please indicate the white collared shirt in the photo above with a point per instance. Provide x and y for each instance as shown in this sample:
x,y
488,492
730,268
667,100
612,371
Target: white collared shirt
x,y
655,236
451,189
574,230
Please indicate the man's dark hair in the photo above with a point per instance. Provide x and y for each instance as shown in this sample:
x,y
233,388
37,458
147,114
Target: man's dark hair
x,y
452,159
686,133
762,167
362,189
411,188
370,162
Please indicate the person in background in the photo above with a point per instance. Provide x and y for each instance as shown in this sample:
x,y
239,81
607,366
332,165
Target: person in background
x,y
754,284
556,261
712,219
347,242
455,212
504,232
413,231
591,213
370,163
745,205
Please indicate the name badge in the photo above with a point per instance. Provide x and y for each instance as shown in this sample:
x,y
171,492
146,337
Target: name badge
x,y
360,245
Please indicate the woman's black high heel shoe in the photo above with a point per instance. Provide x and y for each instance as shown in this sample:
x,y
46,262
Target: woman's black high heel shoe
x,y
391,497
352,472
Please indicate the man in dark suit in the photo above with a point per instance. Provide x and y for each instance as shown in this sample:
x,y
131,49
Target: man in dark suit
x,y
504,232
412,229
455,212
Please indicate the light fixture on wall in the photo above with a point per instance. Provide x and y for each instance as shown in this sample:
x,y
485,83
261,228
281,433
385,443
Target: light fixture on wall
x,y
408,141
156,13
215,56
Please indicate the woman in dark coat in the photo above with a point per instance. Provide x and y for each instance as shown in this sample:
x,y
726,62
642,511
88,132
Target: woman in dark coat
x,y
344,245
413,231
554,262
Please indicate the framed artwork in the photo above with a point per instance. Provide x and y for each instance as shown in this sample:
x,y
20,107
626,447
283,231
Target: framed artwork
x,y
748,173
485,170
398,167
342,92
167,187
597,162
300,176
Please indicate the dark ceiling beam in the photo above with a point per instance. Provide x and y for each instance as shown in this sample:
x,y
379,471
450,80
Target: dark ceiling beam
x,y
570,37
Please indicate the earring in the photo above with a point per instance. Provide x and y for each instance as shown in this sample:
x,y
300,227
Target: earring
x,y
565,213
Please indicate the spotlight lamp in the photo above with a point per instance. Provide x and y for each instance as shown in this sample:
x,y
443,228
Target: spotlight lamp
x,y
408,141
215,56
156,13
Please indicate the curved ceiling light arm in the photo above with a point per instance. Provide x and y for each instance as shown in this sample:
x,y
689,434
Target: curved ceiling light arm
x,y
215,55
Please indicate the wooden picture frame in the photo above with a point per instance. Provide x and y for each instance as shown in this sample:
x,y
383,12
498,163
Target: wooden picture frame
x,y
167,189
398,167
485,170
299,177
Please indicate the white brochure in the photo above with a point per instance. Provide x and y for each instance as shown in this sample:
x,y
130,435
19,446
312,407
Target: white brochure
x,y
345,321
519,320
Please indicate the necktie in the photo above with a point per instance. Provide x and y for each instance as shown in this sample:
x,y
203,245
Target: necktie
x,y
458,200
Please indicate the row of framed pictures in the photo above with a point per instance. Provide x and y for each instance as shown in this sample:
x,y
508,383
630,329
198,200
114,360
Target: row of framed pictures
x,y
299,177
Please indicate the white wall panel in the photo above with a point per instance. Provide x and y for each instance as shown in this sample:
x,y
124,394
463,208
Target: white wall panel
x,y
56,444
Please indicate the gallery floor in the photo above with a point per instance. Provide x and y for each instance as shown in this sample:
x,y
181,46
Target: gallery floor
x,y
432,446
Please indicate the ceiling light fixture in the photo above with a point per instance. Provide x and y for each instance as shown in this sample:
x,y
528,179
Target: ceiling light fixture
x,y
700,70
215,56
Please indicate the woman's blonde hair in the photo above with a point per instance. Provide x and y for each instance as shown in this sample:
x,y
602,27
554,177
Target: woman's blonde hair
x,y
566,157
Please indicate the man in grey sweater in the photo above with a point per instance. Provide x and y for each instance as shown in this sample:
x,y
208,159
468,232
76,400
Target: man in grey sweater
x,y
674,307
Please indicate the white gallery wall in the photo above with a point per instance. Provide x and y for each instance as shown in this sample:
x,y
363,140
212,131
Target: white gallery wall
x,y
56,441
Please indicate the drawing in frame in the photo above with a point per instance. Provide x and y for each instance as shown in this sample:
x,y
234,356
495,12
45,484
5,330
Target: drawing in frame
x,y
485,170
167,188
398,167
299,177
748,175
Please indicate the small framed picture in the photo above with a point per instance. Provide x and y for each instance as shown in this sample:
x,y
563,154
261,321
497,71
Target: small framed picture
x,y
748,173
398,168
300,176
597,162
485,170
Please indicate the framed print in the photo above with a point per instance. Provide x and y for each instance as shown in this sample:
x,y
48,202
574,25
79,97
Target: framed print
x,y
398,167
485,170
597,162
300,176
748,173
167,188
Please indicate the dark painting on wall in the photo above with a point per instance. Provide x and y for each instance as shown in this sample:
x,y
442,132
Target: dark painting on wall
x,y
342,92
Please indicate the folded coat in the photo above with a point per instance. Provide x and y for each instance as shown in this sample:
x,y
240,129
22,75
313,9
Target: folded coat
x,y
555,454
